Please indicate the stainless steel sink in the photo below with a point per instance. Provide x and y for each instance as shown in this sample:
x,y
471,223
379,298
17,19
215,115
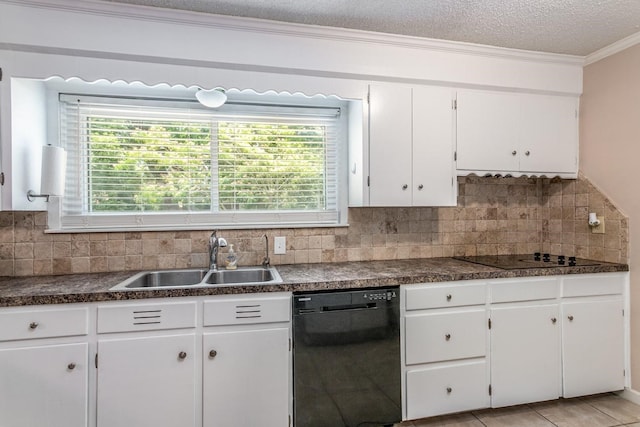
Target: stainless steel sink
x,y
242,276
190,278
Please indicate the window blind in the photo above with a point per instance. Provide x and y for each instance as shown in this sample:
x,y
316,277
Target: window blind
x,y
136,162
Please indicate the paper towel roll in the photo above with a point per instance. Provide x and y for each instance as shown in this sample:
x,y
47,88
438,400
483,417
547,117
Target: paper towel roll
x,y
54,163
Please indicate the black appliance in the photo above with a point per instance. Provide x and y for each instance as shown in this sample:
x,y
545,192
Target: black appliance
x,y
536,260
346,358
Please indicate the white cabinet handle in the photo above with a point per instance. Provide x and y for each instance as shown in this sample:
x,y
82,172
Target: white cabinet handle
x,y
71,366
213,354
526,153
447,337
405,186
448,297
570,318
420,187
182,355
449,390
33,325
514,152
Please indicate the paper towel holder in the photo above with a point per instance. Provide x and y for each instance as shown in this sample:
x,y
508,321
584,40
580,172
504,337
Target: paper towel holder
x,y
54,161
31,196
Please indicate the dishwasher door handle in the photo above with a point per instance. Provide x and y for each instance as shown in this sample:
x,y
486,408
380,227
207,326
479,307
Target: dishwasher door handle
x,y
350,307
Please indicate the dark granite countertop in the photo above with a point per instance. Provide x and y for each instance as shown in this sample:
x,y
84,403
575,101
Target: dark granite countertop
x,y
20,291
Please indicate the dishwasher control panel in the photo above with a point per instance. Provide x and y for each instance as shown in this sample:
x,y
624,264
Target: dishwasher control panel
x,y
344,300
384,295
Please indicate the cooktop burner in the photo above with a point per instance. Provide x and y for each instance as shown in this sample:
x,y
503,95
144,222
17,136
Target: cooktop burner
x,y
537,260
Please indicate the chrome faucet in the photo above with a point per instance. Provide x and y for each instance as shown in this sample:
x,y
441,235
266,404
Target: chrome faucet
x,y
266,262
215,243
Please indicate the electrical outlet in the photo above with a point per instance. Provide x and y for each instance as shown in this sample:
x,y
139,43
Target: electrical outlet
x,y
599,229
280,245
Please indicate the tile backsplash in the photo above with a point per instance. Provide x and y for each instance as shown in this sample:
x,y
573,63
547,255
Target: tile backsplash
x,y
493,216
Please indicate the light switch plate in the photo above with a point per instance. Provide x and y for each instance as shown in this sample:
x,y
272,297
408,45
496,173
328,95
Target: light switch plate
x,y
280,245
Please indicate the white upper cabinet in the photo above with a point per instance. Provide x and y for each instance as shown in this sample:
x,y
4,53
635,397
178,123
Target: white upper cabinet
x,y
434,182
390,139
516,133
549,134
411,146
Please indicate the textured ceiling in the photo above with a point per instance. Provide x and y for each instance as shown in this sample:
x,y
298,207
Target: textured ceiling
x,y
577,27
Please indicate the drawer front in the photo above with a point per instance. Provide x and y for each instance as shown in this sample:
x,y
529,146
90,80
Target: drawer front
x,y
444,390
239,311
28,324
146,317
450,295
593,284
524,290
438,337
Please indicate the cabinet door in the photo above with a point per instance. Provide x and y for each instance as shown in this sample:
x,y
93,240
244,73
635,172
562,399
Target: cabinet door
x,y
390,138
549,134
147,381
525,354
246,376
488,131
434,181
592,347
44,386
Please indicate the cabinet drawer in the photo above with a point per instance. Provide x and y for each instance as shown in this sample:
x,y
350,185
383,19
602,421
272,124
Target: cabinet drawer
x,y
27,324
236,310
449,295
524,290
443,390
593,284
437,337
146,317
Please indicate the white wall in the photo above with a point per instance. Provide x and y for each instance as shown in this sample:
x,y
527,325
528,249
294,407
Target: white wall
x,y
610,150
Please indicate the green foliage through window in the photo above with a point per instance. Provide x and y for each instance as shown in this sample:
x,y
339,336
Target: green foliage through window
x,y
164,164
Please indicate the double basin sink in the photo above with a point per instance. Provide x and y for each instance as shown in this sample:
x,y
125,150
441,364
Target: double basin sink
x,y
190,278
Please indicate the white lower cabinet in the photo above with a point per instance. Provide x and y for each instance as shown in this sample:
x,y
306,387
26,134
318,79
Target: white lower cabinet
x,y
44,366
525,354
440,336
445,389
592,346
210,361
475,344
44,386
246,377
147,381
444,348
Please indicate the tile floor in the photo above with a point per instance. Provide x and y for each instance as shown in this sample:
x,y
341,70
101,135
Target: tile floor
x,y
606,410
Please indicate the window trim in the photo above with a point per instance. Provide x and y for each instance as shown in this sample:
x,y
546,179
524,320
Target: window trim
x,y
96,222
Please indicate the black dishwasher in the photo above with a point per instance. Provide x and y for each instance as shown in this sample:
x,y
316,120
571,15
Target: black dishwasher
x,y
346,358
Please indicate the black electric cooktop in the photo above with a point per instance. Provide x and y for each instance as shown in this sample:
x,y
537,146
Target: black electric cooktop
x,y
537,260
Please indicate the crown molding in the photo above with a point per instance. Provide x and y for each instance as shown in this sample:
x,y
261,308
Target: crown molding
x,y
232,23
612,49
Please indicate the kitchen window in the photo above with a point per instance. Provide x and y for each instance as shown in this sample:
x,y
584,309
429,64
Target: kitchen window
x,y
141,163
